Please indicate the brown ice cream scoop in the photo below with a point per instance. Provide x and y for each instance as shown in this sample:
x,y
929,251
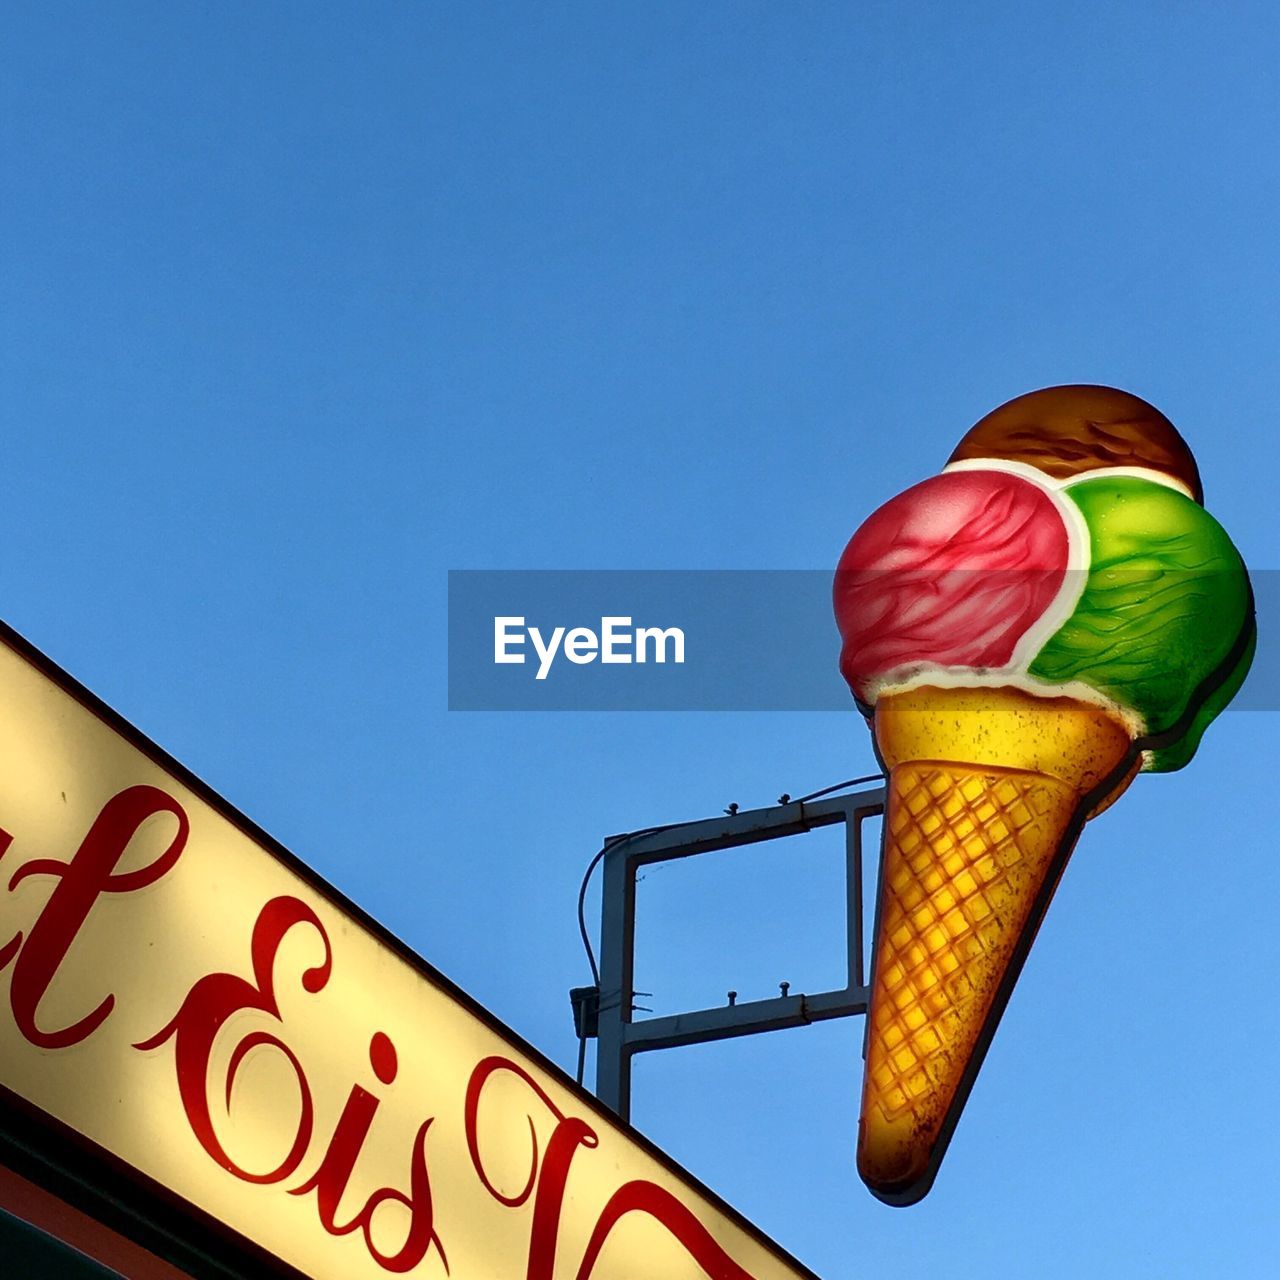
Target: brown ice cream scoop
x,y
1066,431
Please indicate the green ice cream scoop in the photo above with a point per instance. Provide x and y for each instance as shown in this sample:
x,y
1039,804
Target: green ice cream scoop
x,y
1165,624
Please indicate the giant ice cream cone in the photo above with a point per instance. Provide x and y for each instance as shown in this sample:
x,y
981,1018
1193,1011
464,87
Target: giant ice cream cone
x,y
1027,631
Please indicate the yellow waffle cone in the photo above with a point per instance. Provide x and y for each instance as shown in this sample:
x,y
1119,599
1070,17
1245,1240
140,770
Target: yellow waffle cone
x,y
972,853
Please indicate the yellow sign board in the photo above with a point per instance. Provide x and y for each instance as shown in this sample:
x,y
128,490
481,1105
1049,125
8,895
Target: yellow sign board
x,y
183,995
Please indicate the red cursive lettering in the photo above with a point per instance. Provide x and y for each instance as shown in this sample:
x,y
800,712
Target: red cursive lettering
x,y
550,1179
81,882
204,1012
330,1180
678,1218
566,1138
215,999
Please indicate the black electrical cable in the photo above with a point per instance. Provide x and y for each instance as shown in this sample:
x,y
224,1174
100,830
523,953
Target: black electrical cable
x,y
840,786
611,843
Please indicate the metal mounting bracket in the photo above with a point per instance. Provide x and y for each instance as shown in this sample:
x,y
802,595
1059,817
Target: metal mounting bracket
x,y
620,1037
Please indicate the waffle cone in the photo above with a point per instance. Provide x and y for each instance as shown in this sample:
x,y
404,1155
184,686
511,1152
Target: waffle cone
x,y
973,850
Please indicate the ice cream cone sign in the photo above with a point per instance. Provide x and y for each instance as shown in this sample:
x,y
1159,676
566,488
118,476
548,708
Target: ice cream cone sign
x,y
1051,615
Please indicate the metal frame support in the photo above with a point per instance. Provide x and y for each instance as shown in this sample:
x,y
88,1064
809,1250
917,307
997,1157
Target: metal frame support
x,y
620,1036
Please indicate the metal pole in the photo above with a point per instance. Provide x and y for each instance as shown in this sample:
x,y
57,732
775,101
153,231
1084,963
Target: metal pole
x,y
617,968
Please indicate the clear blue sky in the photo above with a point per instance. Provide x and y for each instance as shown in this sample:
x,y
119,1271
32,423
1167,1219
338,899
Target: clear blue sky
x,y
305,305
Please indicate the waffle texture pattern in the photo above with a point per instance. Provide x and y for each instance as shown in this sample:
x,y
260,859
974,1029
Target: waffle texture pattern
x,y
967,851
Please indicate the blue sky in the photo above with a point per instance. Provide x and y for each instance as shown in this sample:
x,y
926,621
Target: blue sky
x,y
306,305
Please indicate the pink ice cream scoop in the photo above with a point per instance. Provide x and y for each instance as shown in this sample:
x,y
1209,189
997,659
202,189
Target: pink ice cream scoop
x,y
953,572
